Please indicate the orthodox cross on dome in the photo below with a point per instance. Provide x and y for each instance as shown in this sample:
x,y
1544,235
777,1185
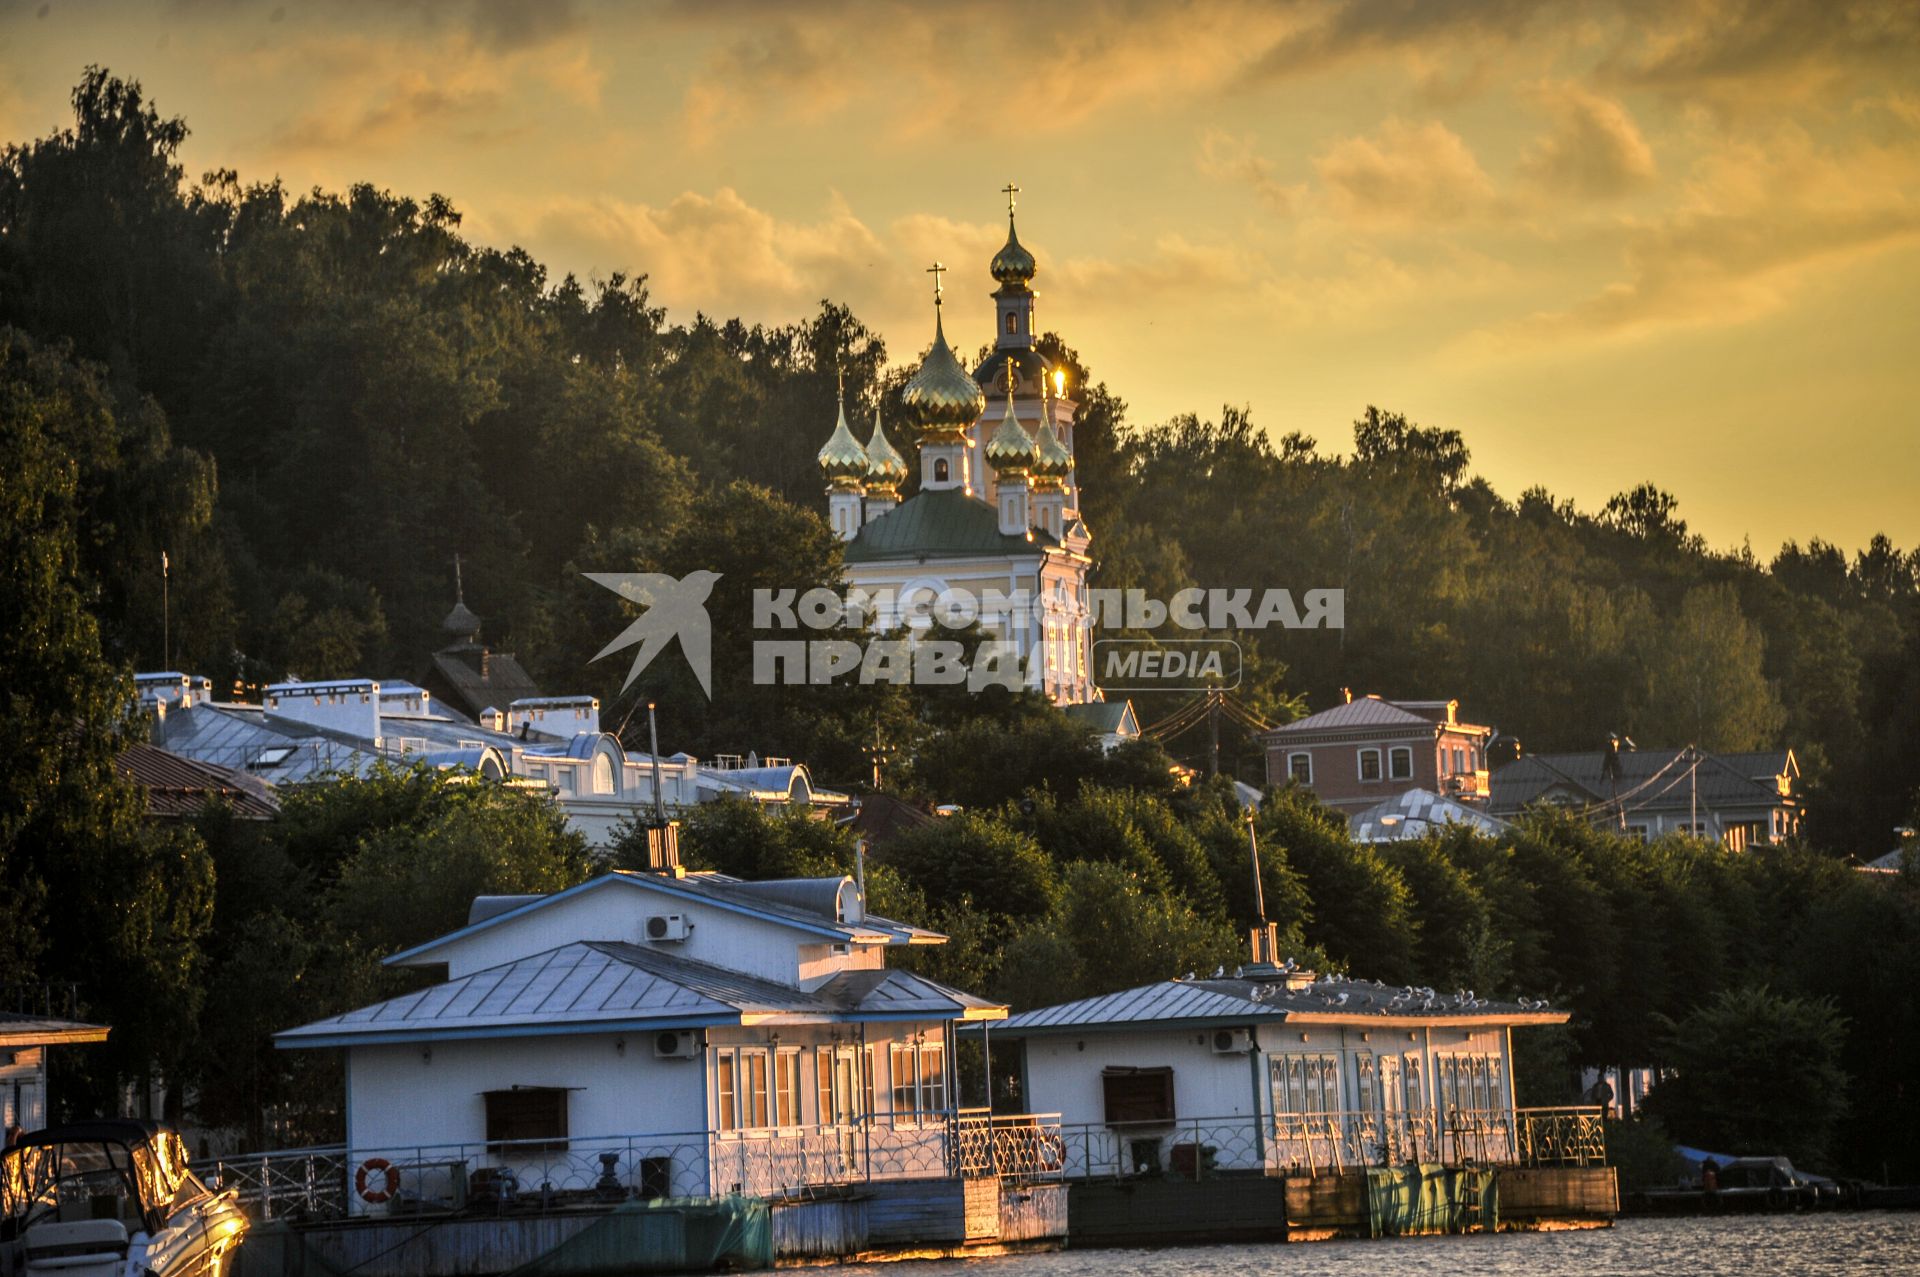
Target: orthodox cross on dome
x,y
1013,377
459,588
1010,190
936,270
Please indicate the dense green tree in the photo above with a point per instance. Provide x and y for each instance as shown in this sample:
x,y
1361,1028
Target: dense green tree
x,y
1362,910
1707,685
95,896
1109,931
1755,1072
1004,871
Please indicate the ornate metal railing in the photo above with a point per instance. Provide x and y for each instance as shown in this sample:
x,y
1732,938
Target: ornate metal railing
x,y
1562,1136
535,1175
1024,1146
1317,1143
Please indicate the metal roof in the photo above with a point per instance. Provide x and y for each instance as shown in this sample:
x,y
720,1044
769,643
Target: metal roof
x,y
247,738
592,986
713,888
1418,812
1105,716
18,1030
1237,1000
1730,780
1365,711
944,523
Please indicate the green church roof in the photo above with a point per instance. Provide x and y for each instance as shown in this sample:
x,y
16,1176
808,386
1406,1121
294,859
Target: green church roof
x,y
945,523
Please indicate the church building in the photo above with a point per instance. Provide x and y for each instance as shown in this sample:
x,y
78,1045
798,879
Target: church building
x,y
997,513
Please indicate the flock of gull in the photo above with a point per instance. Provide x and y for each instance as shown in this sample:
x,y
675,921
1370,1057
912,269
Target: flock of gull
x,y
1408,998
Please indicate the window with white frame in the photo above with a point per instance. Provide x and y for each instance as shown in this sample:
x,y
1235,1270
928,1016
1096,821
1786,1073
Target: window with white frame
x,y
755,1093
786,1089
919,1077
1369,764
933,1079
726,1092
903,1072
1300,767
1365,1093
1468,1081
1400,763
742,1089
1304,1083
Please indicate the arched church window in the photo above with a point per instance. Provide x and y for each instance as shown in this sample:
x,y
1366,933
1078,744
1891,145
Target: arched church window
x,y
1012,323
940,471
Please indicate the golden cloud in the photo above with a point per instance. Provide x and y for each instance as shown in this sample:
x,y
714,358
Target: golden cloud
x,y
1594,149
718,252
1405,173
1757,218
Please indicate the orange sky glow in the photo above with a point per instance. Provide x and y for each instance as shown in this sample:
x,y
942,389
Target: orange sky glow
x,y
1609,242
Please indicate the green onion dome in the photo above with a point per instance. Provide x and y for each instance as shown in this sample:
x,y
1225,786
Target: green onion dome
x,y
1011,449
886,468
1051,459
1013,265
941,400
843,460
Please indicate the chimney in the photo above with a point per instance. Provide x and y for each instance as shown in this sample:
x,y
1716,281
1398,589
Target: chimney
x,y
663,849
564,717
350,706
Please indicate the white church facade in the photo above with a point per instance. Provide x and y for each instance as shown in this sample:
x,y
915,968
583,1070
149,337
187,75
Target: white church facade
x,y
997,513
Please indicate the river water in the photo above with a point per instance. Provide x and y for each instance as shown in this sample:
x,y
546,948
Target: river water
x,y
1739,1246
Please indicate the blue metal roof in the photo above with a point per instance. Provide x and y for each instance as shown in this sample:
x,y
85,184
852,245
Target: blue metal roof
x,y
1238,1000
709,888
601,986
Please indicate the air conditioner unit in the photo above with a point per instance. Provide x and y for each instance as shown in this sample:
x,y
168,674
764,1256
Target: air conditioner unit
x,y
669,927
1232,1041
676,1044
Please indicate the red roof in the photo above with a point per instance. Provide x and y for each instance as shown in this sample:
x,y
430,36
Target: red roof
x,y
178,787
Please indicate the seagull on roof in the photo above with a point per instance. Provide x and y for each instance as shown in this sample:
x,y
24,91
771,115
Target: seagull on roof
x,y
1219,971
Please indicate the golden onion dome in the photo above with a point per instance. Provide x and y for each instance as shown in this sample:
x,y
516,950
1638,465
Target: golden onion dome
x,y
1011,449
1013,265
885,465
843,458
1051,457
940,399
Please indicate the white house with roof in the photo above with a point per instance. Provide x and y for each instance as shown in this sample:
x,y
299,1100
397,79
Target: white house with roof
x,y
1274,1069
306,731
659,1034
26,1036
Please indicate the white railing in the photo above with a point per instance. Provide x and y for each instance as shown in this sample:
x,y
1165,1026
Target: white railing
x,y
533,1175
1317,1143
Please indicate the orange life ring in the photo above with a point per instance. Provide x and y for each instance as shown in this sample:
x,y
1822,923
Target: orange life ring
x,y
389,1180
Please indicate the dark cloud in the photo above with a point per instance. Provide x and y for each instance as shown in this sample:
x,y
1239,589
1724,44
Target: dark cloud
x,y
1703,41
1360,27
507,25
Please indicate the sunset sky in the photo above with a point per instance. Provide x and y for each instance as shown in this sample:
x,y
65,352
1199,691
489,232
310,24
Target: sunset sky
x,y
1663,240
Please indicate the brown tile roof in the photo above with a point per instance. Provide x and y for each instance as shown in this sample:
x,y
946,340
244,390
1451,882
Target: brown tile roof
x,y
179,787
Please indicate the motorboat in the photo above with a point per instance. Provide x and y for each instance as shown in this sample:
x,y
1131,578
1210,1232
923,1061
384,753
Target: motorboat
x,y
111,1198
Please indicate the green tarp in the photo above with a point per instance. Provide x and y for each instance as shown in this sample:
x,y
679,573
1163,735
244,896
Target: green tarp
x,y
1406,1200
670,1235
674,1235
